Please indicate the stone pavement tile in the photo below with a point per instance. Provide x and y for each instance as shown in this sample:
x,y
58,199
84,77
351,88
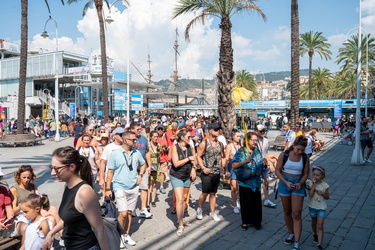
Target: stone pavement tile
x,y
367,212
336,242
340,212
341,231
363,222
354,212
347,223
370,201
357,234
331,225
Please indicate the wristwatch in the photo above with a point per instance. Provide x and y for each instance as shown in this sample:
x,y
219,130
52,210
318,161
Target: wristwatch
x,y
141,175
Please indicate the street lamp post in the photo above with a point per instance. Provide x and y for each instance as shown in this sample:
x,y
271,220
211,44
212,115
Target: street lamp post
x,y
357,158
110,20
76,97
48,91
45,35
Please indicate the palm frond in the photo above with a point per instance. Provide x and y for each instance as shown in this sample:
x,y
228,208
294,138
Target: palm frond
x,y
199,18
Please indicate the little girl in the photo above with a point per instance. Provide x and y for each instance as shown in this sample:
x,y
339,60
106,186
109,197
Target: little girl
x,y
38,226
318,193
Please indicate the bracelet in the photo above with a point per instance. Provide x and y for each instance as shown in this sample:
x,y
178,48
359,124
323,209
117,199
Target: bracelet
x,y
108,189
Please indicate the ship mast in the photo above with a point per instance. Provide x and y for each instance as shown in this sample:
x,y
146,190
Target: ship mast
x,y
175,75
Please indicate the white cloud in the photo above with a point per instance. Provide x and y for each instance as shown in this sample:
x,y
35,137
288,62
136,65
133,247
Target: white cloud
x,y
140,29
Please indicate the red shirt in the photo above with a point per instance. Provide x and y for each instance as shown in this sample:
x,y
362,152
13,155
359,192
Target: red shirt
x,y
4,201
163,157
171,133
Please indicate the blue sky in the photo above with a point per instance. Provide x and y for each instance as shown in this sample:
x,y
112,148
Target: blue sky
x,y
259,46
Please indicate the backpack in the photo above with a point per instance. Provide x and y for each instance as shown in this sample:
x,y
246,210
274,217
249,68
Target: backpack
x,y
91,147
286,156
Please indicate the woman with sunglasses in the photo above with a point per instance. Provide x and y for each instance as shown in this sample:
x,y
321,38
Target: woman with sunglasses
x,y
79,209
24,186
250,157
292,169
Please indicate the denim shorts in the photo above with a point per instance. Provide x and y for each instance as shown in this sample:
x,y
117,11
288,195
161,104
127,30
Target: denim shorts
x,y
317,213
176,183
233,175
285,191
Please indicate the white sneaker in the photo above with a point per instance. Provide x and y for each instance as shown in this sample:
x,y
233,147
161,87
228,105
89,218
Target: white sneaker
x,y
199,213
236,210
268,203
145,214
238,203
134,214
368,160
129,241
122,242
214,217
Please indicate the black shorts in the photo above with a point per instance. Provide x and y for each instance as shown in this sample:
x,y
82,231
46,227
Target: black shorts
x,y
367,143
210,183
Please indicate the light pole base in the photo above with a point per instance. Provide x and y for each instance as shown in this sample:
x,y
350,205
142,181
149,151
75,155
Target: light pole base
x,y
357,158
57,136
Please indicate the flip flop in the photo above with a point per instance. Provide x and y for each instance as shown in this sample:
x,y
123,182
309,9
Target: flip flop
x,y
173,211
186,223
180,231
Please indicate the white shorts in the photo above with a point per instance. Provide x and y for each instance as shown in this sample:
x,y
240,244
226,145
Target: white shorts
x,y
127,199
144,182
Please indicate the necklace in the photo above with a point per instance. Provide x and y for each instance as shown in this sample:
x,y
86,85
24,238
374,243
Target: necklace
x,y
184,152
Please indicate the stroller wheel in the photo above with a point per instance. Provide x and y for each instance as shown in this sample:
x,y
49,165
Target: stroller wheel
x,y
220,187
350,143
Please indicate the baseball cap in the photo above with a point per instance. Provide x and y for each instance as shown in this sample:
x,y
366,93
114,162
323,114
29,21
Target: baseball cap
x,y
260,127
159,126
214,126
118,130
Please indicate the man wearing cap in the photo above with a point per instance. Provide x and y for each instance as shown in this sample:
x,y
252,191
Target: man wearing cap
x,y
263,146
117,143
180,121
211,158
78,131
143,147
163,157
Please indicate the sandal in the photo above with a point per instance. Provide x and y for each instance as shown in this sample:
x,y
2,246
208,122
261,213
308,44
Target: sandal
x,y
173,211
186,223
180,231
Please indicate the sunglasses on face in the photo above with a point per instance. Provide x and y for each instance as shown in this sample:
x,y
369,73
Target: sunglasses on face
x,y
262,131
57,169
91,130
133,140
160,129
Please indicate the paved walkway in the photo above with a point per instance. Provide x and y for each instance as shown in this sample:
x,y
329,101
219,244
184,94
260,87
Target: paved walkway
x,y
349,224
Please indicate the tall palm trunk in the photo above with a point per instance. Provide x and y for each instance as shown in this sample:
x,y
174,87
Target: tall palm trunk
x,y
103,51
23,67
294,63
227,113
310,75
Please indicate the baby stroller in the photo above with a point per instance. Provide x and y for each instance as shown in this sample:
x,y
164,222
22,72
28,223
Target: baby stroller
x,y
348,137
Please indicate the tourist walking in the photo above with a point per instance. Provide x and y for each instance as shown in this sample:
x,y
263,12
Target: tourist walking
x,y
318,193
292,169
230,151
182,173
366,140
79,209
123,166
250,157
290,136
211,158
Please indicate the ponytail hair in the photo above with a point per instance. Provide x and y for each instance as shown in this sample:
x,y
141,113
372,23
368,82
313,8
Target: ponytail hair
x,y
45,205
69,155
34,201
301,140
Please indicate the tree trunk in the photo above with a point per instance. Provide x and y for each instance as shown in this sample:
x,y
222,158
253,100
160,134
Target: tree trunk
x,y
310,76
103,51
23,68
294,64
225,84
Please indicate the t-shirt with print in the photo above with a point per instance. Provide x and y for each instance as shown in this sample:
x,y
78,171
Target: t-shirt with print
x,y
142,145
163,141
317,201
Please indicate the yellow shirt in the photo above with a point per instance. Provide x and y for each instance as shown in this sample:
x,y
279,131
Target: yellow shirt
x,y
298,133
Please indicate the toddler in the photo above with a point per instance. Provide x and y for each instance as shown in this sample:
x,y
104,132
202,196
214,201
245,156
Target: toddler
x,y
38,226
318,193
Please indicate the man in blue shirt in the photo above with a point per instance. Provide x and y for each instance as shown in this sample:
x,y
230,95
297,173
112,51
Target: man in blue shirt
x,y
123,165
143,147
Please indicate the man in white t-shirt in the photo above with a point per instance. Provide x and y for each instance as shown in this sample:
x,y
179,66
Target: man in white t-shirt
x,y
285,119
118,141
290,136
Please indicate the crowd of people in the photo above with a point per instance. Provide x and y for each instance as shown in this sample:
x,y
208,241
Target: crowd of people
x,y
134,161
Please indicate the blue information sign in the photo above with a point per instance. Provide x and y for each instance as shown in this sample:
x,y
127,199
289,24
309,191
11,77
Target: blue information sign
x,y
337,110
72,110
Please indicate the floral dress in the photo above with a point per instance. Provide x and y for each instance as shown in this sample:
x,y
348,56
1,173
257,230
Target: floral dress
x,y
256,164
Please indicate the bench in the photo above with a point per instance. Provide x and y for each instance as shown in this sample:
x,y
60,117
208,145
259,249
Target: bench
x,y
22,139
8,242
279,142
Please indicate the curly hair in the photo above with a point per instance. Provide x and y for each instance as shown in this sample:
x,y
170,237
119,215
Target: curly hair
x,y
22,169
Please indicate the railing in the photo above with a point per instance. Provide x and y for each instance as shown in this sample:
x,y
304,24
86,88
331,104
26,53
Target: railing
x,y
64,108
46,98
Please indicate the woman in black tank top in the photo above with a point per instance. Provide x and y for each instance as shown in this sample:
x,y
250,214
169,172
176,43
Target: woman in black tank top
x,y
79,209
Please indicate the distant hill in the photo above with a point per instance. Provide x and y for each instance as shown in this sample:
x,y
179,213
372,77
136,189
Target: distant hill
x,y
186,84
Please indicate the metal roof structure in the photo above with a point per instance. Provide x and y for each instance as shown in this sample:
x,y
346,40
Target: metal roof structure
x,y
123,84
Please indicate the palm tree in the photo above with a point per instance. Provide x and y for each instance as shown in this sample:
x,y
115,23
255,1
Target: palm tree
x,y
224,10
321,78
294,102
246,80
103,51
348,55
312,43
23,64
